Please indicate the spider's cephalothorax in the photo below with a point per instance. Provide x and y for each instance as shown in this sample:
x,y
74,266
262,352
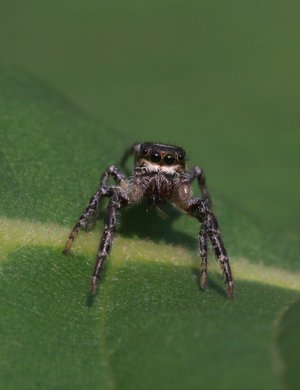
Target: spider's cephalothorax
x,y
160,175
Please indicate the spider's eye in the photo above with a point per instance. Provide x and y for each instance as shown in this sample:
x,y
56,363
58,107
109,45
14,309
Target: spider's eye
x,y
181,157
169,159
144,150
155,157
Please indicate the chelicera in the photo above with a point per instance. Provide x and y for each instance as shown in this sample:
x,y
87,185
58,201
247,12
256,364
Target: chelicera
x,y
160,175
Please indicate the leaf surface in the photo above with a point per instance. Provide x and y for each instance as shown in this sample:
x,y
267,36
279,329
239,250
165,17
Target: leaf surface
x,y
150,326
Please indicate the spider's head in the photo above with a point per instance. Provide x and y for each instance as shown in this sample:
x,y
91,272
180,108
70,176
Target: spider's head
x,y
166,157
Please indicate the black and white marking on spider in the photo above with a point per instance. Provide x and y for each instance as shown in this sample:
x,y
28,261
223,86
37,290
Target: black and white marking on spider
x,y
160,175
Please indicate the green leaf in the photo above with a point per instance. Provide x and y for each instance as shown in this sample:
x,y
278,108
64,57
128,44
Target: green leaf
x,y
150,326
288,344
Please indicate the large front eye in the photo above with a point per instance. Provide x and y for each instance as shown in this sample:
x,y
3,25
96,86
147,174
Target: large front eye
x,y
155,157
169,159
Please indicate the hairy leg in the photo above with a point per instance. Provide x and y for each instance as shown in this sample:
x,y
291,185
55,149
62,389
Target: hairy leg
x,y
203,254
199,209
197,172
88,217
110,222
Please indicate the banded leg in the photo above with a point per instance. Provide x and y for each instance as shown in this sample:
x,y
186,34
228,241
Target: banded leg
x,y
199,209
197,172
203,254
110,224
220,251
104,184
91,210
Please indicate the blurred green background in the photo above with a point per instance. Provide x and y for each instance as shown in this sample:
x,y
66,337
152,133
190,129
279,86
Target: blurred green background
x,y
220,78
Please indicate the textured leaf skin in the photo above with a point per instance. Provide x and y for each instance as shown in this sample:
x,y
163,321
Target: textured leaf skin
x,y
150,326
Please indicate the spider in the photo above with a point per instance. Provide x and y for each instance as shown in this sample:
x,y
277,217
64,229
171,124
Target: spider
x,y
160,175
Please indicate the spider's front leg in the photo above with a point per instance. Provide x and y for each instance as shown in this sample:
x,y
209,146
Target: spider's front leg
x,y
117,201
91,209
198,208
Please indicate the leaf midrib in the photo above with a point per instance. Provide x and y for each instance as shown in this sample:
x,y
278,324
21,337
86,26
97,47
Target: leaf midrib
x,y
17,234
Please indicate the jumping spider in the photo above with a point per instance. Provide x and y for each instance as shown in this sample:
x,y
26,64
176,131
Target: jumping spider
x,y
160,175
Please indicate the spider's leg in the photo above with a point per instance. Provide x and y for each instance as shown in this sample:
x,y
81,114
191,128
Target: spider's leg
x,y
117,201
92,220
198,208
203,254
104,186
128,153
197,172
92,208
85,217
